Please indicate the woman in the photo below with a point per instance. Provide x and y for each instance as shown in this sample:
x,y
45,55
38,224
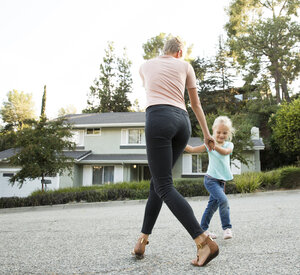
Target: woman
x,y
167,132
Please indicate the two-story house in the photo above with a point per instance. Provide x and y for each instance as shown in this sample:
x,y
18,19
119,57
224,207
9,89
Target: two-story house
x,y
111,148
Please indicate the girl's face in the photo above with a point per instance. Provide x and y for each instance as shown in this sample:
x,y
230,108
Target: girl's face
x,y
221,133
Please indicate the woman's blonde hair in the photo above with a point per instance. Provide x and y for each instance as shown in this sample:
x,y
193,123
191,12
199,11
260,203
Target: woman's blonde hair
x,y
225,121
173,45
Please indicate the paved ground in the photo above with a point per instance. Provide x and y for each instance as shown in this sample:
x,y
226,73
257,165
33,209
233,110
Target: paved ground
x,y
97,238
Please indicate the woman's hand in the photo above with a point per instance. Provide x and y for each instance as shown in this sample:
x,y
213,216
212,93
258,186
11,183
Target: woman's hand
x,y
210,142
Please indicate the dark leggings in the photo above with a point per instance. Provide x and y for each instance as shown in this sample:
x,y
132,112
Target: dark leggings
x,y
167,132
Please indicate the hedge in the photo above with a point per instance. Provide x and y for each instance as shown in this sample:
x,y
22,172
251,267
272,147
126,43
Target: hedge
x,y
286,177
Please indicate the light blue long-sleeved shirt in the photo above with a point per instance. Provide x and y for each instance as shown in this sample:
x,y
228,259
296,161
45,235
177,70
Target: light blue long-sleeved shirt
x,y
219,165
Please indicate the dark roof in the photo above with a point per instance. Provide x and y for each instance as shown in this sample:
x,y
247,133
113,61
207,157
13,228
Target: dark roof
x,y
8,153
72,154
115,157
77,155
106,118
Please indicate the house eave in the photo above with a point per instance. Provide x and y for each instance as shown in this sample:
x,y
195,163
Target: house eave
x,y
108,125
114,161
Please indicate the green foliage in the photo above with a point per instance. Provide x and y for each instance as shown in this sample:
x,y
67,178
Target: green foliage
x,y
18,109
289,177
154,46
7,139
270,179
287,128
110,90
43,108
286,177
69,109
119,98
267,49
190,187
40,151
247,182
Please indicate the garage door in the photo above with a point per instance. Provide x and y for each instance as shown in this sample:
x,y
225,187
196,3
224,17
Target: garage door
x,y
7,190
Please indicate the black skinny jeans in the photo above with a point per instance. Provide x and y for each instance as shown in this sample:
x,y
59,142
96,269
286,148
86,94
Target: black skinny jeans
x,y
167,132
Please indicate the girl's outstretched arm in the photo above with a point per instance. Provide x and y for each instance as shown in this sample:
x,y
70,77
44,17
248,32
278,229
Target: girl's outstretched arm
x,y
196,149
223,151
197,109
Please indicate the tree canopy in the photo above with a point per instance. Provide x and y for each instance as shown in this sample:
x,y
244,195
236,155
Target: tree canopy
x,y
286,128
264,38
18,109
110,90
39,151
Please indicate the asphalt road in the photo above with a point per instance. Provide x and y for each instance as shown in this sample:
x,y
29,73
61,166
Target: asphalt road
x,y
97,238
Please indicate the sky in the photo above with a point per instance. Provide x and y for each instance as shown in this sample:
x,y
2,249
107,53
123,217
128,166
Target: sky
x,y
61,43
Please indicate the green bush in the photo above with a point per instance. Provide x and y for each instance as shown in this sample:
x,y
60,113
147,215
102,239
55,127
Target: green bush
x,y
190,187
286,177
247,182
289,177
270,179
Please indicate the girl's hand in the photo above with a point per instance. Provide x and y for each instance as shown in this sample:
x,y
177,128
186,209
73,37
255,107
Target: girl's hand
x,y
210,142
188,149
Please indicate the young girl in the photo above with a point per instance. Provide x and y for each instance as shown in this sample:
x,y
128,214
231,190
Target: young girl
x,y
218,173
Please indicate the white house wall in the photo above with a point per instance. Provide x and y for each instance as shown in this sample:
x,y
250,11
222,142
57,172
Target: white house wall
x,y
186,164
87,178
236,167
7,190
118,173
108,142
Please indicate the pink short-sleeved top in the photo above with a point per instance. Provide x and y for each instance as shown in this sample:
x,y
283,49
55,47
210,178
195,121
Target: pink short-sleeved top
x,y
165,78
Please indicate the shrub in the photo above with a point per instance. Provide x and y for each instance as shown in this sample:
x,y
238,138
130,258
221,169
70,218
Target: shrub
x,y
286,177
190,187
247,182
289,177
270,179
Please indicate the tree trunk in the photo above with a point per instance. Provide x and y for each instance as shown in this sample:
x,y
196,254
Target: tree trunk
x,y
42,181
276,75
285,92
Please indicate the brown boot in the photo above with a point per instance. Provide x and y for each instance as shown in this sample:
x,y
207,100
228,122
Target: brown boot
x,y
214,251
139,248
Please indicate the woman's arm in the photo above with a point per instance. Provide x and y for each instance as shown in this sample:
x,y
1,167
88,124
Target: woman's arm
x,y
223,151
197,109
196,149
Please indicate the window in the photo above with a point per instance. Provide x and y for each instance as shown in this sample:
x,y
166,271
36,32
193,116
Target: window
x,y
103,174
8,175
133,137
136,136
199,163
93,131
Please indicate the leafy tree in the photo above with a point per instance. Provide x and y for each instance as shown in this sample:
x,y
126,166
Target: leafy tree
x,y
109,92
69,109
154,46
40,151
214,83
120,100
7,138
18,109
136,107
286,128
43,108
266,47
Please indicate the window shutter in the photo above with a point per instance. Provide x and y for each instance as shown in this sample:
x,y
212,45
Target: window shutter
x,y
124,136
186,164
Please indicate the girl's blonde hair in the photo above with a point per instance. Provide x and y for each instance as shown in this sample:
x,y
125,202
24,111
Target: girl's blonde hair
x,y
225,121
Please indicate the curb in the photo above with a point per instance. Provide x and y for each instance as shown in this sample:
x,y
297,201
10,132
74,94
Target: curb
x,y
130,202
